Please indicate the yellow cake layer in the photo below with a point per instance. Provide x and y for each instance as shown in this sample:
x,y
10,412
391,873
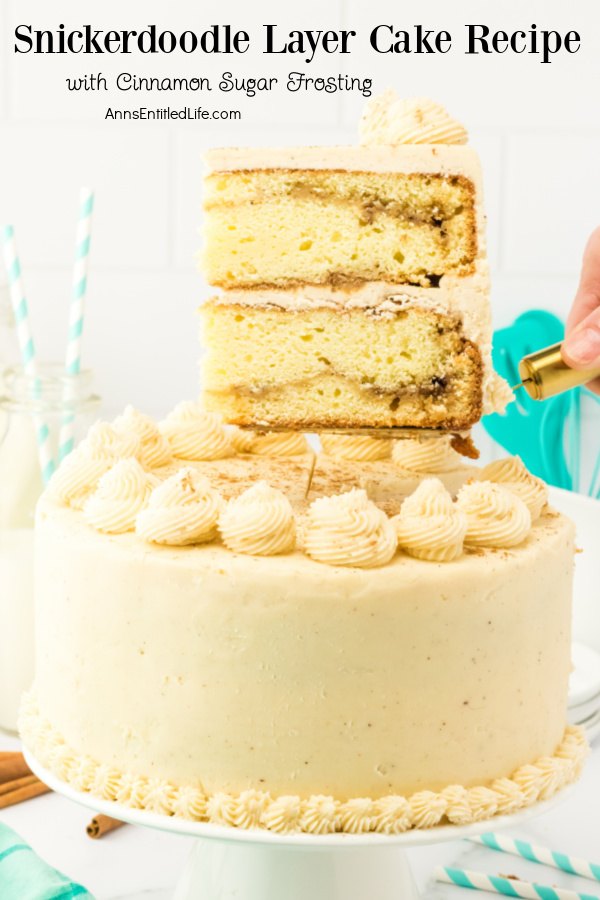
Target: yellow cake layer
x,y
325,368
285,227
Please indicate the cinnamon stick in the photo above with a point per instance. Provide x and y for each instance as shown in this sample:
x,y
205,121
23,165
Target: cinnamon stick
x,y
20,794
12,766
101,825
18,783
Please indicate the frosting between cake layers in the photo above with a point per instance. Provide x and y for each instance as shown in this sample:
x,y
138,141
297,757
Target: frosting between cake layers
x,y
391,120
316,814
466,298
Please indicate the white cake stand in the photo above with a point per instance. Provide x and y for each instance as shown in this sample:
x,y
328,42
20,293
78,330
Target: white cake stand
x,y
235,864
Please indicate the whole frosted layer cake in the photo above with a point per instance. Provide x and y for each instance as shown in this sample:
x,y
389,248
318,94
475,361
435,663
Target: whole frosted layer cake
x,y
355,280
231,630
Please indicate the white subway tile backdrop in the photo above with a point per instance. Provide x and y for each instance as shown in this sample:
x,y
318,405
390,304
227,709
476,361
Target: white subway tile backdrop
x,y
537,128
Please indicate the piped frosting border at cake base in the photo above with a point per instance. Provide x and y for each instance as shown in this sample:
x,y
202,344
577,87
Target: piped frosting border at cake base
x,y
393,814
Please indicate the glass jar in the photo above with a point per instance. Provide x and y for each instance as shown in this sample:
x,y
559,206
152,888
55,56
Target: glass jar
x,y
52,397
7,326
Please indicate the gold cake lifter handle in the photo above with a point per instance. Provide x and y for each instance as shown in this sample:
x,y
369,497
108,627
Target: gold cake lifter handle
x,y
545,374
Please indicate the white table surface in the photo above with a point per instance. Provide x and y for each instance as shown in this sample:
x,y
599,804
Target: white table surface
x,y
140,864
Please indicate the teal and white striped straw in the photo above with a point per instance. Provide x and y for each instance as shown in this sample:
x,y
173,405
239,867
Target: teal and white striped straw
x,y
77,308
574,865
26,345
508,887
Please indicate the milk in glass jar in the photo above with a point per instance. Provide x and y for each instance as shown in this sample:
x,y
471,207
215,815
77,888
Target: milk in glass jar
x,y
29,405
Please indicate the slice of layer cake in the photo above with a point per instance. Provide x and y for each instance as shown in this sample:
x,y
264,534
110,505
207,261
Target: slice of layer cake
x,y
355,288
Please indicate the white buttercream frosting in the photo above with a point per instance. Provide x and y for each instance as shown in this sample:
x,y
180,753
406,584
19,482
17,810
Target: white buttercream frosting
x,y
429,525
106,440
153,448
221,809
357,447
283,814
426,454
78,474
390,119
105,783
458,809
241,439
276,443
159,796
251,806
512,474
349,530
357,816
121,494
319,814
194,434
184,509
496,517
483,802
259,522
132,791
509,796
393,815
427,808
189,802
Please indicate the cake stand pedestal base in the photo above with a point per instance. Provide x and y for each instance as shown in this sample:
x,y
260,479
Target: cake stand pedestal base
x,y
234,864
221,870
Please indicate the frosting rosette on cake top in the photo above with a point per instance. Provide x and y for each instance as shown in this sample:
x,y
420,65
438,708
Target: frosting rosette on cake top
x,y
390,119
194,434
153,449
349,530
121,494
79,473
103,439
355,447
259,522
512,474
275,443
429,525
184,509
425,454
240,438
496,517
77,476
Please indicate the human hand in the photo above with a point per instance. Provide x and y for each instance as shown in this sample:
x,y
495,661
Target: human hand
x,y
581,347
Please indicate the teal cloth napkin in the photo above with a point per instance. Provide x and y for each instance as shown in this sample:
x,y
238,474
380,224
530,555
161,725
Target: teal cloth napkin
x,y
24,876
